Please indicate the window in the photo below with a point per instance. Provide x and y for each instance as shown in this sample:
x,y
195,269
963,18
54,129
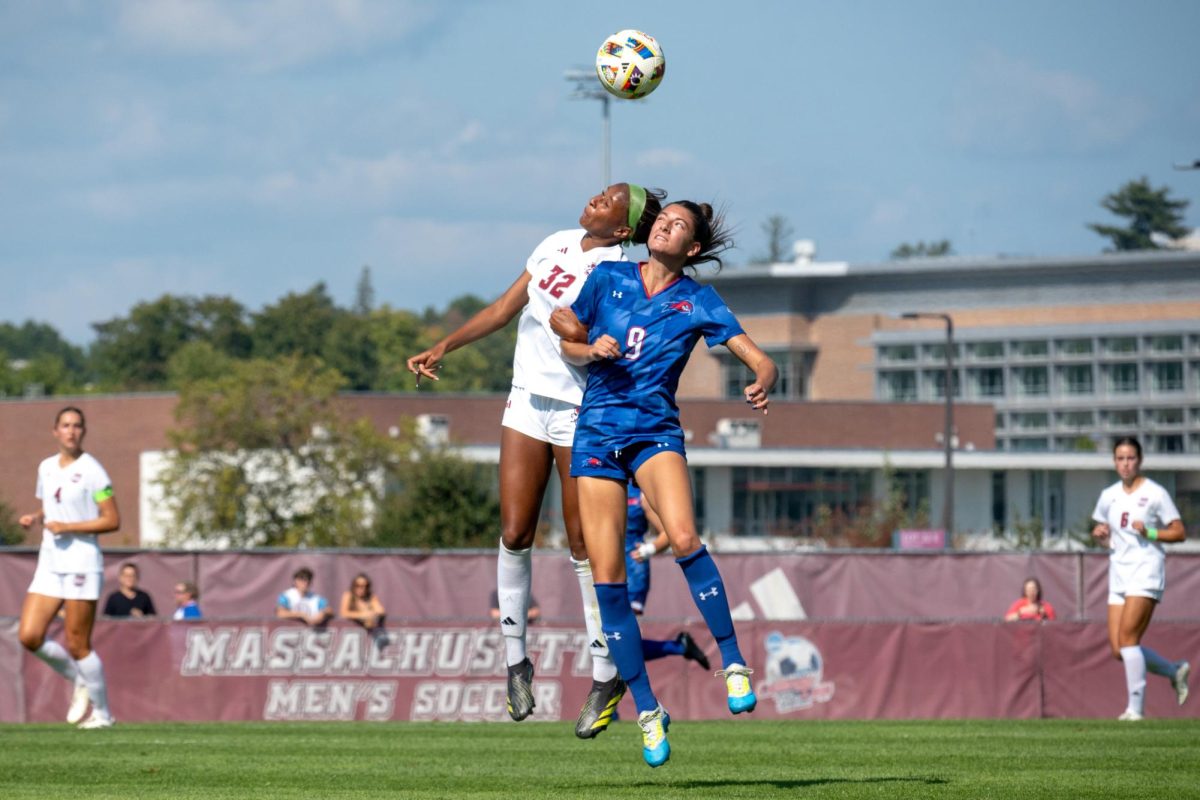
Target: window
x,y
1166,344
1031,381
1121,345
1123,418
792,500
1036,348
794,368
990,382
893,353
1166,377
984,351
1077,379
1030,421
1034,445
1164,416
898,387
937,381
999,500
1168,443
1076,419
1074,347
1123,378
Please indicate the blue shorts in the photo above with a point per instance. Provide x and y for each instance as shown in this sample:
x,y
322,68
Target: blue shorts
x,y
637,575
619,464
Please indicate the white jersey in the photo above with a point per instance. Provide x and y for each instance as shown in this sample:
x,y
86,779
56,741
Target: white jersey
x,y
557,269
71,494
1150,505
308,604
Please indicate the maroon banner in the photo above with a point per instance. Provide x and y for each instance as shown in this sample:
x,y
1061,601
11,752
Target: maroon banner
x,y
159,671
455,586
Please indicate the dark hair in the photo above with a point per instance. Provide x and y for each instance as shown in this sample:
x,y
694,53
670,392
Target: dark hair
x,y
654,201
362,576
1132,442
69,410
303,572
191,589
1036,583
711,232
131,565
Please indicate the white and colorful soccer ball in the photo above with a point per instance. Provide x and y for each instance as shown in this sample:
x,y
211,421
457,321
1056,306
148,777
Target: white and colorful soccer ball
x,y
630,64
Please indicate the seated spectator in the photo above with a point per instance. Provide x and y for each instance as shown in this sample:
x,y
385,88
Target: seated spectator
x,y
360,603
532,615
1030,605
187,601
300,602
128,600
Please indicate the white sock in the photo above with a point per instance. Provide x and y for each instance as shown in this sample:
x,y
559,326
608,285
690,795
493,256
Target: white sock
x,y
1135,677
93,675
58,658
1157,664
514,573
603,668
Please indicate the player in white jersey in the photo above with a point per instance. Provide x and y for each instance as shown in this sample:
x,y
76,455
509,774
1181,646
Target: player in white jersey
x,y
77,505
539,425
1134,516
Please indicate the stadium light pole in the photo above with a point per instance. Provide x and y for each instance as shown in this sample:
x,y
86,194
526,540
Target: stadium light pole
x,y
948,426
587,87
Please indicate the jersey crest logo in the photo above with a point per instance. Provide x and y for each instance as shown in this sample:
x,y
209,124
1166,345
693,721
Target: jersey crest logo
x,y
77,477
617,294
682,306
593,462
562,250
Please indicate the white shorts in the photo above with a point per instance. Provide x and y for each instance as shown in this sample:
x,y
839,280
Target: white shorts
x,y
541,418
67,585
1144,579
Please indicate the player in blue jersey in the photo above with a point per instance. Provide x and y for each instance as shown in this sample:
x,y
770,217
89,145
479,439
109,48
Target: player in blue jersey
x,y
643,321
539,424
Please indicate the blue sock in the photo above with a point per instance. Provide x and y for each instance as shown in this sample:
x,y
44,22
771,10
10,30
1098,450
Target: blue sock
x,y
657,648
625,642
708,592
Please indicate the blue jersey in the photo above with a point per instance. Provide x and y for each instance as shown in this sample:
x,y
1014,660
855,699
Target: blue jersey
x,y
636,523
632,398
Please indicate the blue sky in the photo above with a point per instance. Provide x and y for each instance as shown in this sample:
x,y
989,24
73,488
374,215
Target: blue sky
x,y
255,148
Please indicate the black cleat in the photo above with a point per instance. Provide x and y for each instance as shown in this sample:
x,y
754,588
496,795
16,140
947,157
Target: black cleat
x,y
691,650
600,708
520,690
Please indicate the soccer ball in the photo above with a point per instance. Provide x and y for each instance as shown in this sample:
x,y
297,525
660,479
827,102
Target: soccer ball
x,y
630,64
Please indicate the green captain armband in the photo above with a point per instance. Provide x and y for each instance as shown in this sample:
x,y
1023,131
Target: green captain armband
x,y
1152,534
101,495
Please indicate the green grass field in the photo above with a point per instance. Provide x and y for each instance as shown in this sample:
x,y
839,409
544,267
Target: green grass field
x,y
711,760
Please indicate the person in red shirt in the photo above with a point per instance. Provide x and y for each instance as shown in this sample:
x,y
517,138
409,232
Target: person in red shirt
x,y
1030,605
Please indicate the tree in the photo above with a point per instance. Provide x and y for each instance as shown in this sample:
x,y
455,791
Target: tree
x,y
33,339
941,247
1149,212
261,457
364,293
11,533
482,366
778,233
439,500
296,325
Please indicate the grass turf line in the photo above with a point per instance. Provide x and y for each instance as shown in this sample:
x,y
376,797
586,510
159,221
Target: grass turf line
x,y
726,759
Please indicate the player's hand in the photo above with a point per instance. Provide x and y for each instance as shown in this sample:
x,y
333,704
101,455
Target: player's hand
x,y
1138,526
426,365
56,527
604,347
1101,532
756,396
564,323
27,520
644,551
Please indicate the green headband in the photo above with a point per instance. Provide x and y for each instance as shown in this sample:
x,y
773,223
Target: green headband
x,y
637,204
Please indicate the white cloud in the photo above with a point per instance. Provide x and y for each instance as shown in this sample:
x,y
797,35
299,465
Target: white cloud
x,y
1007,106
269,33
133,130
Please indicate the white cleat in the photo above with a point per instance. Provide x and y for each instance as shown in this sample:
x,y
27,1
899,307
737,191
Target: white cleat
x,y
1129,715
96,721
1180,681
79,704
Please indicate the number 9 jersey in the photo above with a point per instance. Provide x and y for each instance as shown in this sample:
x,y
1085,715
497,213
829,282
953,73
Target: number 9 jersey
x,y
558,268
632,398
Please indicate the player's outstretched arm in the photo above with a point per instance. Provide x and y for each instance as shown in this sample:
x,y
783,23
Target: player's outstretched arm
x,y
580,354
564,323
1175,532
764,369
487,321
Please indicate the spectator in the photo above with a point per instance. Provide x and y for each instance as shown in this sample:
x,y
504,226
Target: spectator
x,y
302,603
187,601
534,612
128,600
361,604
1030,605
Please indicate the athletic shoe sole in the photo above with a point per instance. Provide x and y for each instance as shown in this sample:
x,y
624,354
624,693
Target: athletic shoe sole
x,y
599,708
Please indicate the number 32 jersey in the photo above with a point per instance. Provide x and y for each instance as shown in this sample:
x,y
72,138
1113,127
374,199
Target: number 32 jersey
x,y
558,268
632,398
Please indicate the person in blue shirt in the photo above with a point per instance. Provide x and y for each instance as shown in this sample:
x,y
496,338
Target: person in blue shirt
x,y
643,321
187,601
